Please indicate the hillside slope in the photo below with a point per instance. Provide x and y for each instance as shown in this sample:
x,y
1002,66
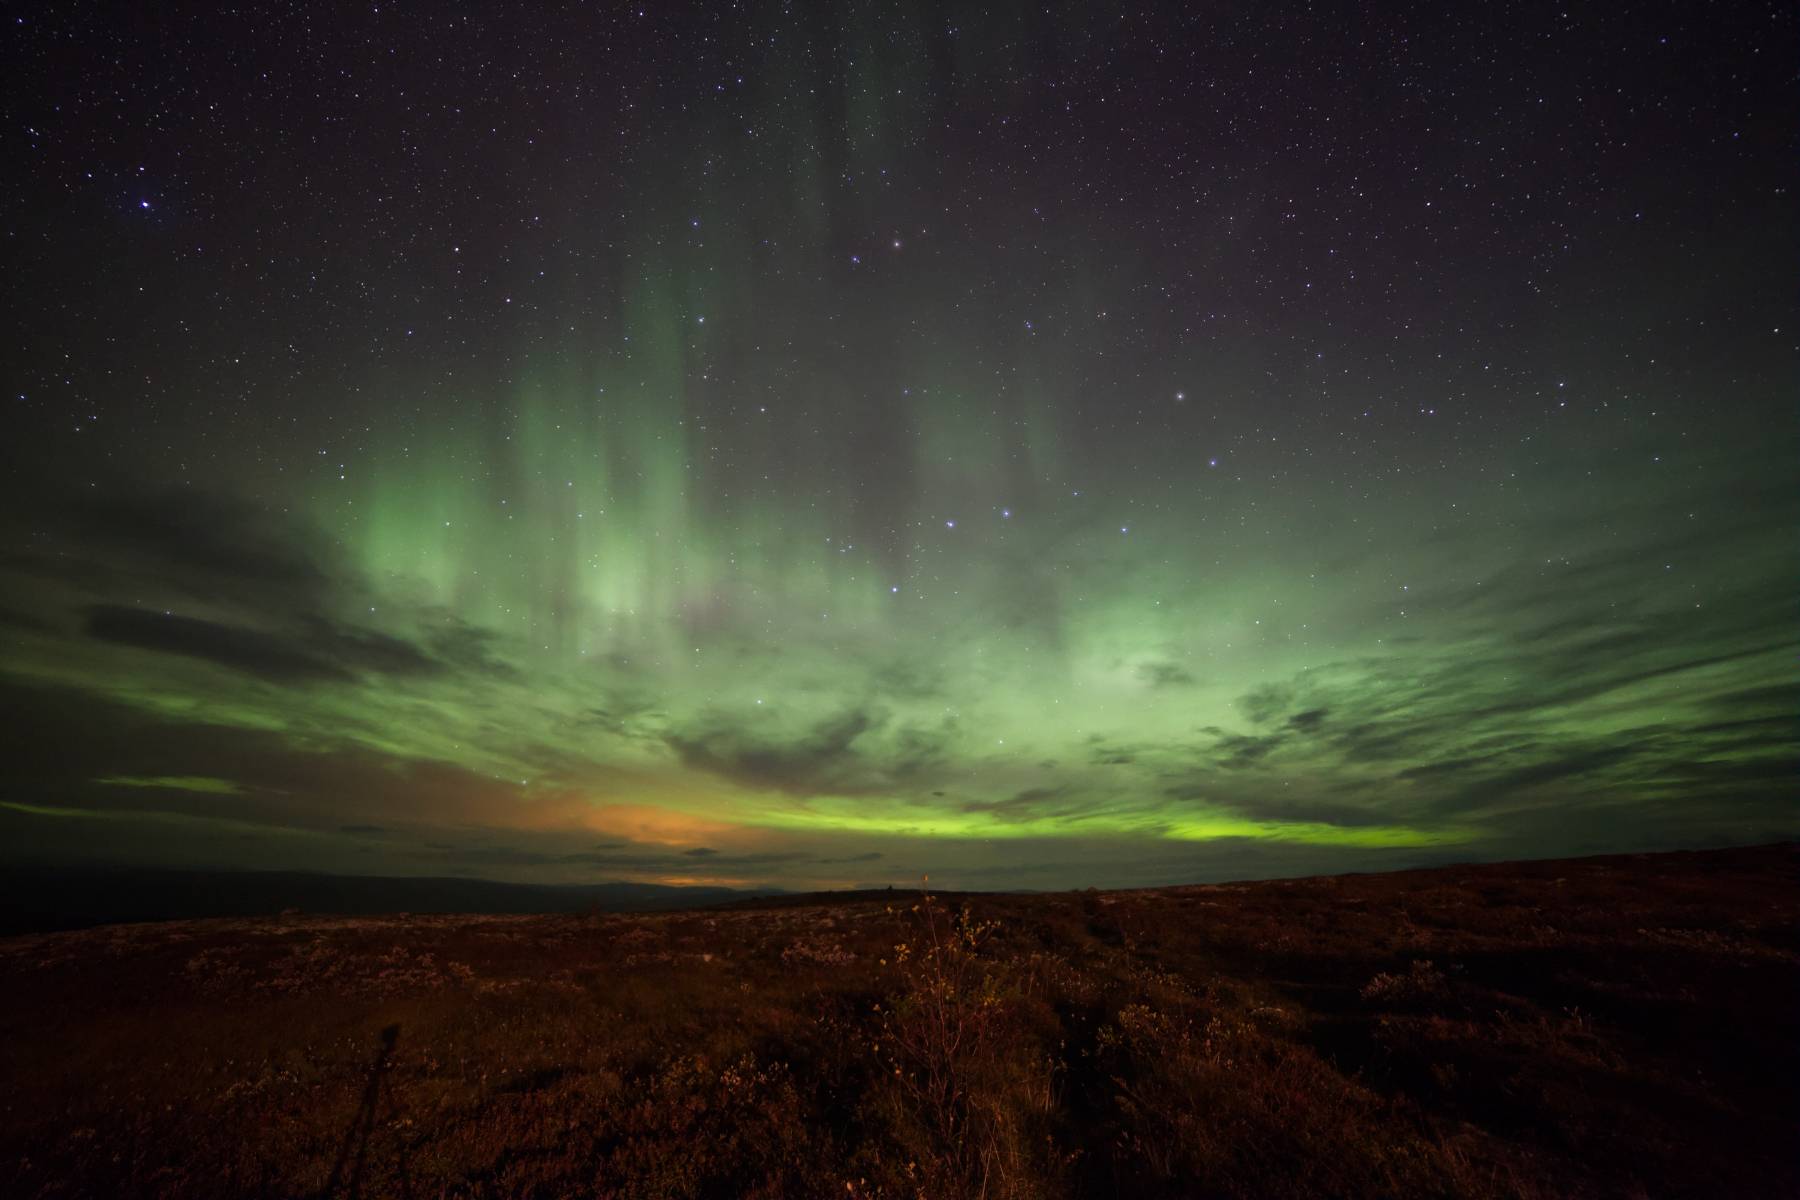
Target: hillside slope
x,y
1604,1027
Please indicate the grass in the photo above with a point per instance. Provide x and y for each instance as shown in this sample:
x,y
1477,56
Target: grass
x,y
1612,1027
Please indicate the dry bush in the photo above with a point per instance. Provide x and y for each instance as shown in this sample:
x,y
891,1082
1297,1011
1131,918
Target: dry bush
x,y
1421,984
971,1086
1226,1103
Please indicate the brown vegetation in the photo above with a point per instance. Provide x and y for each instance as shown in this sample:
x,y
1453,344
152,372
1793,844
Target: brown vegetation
x,y
1604,1027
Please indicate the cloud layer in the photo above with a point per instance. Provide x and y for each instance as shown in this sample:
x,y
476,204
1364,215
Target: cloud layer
x,y
263,700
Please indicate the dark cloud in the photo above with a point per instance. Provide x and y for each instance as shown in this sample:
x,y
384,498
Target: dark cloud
x,y
278,782
855,752
1038,803
365,650
1753,704
31,624
1449,768
209,545
317,651
623,858
242,563
906,680
227,582
364,830
1103,752
467,648
1534,775
1235,751
251,651
1230,795
1165,674
628,714
465,858
1265,703
814,762
1308,721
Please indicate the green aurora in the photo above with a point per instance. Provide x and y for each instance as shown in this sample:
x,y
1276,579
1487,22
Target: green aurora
x,y
813,483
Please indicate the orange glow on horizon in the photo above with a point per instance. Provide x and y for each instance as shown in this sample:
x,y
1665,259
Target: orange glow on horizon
x,y
660,826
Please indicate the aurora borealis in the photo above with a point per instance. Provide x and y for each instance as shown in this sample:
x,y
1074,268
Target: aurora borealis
x,y
810,445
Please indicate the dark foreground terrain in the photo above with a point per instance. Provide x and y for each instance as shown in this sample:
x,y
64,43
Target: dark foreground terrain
x,y
1623,1026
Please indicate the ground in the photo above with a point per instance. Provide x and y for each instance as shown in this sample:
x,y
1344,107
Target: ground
x,y
1605,1027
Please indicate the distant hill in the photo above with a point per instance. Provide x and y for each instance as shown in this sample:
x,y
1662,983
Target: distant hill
x,y
39,899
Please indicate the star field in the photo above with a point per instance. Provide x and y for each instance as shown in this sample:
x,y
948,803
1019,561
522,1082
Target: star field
x,y
820,444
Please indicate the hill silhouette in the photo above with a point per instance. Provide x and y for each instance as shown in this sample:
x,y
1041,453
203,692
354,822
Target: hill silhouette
x,y
38,899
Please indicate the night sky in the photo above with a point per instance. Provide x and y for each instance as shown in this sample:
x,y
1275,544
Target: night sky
x,y
812,445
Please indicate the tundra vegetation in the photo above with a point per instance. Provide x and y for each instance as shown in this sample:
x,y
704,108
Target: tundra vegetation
x,y
1605,1027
